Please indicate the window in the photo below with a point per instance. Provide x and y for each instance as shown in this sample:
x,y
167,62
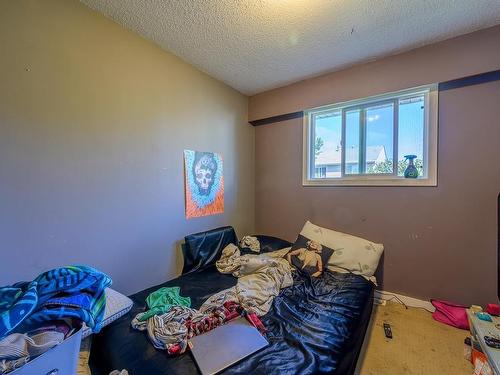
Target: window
x,y
320,172
365,142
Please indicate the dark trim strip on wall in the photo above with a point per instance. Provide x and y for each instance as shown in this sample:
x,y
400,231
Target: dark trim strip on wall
x,y
270,120
476,79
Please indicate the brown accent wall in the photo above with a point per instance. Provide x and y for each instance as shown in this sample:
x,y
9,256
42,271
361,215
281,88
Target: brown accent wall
x,y
440,242
93,124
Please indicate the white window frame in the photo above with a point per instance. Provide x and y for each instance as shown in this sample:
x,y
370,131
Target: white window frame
x,y
430,142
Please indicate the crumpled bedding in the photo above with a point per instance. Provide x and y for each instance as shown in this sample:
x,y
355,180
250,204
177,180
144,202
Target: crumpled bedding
x,y
260,278
315,326
250,242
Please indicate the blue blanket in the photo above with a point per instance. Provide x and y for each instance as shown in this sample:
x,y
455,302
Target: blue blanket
x,y
66,292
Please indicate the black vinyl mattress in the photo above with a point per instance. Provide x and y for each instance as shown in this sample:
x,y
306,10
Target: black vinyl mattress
x,y
316,326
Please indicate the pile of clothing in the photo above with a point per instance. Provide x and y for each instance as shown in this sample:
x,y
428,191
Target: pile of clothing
x,y
18,348
170,321
260,277
35,316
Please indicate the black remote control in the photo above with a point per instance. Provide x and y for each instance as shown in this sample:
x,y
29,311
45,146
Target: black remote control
x,y
388,330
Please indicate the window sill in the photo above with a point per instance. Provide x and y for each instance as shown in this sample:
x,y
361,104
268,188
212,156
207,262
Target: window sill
x,y
370,181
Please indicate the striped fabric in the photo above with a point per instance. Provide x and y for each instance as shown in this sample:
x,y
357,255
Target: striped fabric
x,y
16,349
19,345
66,292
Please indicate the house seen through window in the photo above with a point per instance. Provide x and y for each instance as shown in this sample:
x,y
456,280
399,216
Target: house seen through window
x,y
372,140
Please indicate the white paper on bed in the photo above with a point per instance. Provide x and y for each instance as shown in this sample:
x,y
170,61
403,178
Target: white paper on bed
x,y
351,253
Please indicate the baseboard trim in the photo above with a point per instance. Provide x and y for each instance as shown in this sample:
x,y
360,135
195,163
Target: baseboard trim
x,y
408,301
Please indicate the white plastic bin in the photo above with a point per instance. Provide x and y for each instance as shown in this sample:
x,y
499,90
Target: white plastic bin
x,y
60,360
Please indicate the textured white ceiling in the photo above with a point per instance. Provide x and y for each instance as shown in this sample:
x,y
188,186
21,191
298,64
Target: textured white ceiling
x,y
256,45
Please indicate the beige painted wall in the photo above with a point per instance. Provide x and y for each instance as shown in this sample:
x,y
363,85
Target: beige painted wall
x,y
93,123
440,242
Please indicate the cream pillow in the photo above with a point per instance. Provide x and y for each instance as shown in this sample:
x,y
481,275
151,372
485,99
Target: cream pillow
x,y
351,253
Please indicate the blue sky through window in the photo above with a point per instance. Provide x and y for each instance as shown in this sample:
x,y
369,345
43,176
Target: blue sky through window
x,y
379,128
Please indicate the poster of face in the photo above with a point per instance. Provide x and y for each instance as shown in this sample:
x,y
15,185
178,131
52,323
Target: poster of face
x,y
204,183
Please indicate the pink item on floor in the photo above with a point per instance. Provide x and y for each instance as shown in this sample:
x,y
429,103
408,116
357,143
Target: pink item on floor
x,y
493,309
451,314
